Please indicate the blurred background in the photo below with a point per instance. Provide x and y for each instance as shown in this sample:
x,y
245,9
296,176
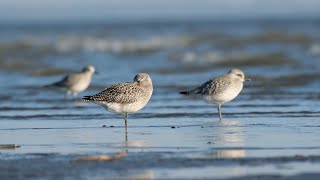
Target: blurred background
x,y
181,44
50,38
178,42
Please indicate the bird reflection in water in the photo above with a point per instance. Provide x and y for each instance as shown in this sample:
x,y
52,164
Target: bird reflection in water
x,y
229,153
229,133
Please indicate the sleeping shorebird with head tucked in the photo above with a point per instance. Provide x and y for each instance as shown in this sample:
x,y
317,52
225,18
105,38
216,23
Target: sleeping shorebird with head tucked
x,y
76,82
125,98
221,89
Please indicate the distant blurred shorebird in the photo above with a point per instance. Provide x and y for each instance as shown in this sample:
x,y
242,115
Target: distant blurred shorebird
x,y
76,82
221,89
124,98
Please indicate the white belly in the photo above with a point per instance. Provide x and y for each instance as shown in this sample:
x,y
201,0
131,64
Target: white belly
x,y
123,108
80,86
223,97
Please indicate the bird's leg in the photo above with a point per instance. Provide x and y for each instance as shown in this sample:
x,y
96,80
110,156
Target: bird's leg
x,y
219,110
125,120
126,125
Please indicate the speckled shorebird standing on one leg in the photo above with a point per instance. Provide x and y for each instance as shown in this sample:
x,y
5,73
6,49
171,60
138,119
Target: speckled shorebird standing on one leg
x,y
125,98
221,89
76,82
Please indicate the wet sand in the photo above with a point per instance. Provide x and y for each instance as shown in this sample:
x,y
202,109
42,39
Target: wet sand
x,y
155,166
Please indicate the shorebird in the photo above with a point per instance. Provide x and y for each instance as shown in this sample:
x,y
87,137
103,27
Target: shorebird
x,y
221,89
76,82
125,98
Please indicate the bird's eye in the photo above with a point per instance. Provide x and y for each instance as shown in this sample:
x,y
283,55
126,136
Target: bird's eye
x,y
239,75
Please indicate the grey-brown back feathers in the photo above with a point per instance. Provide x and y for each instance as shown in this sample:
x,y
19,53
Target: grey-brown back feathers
x,y
124,93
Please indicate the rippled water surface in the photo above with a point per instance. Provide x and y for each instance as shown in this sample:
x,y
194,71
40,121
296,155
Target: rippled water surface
x,y
271,128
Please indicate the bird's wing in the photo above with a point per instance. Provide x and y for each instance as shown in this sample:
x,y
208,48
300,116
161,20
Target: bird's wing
x,y
71,79
212,86
120,93
199,90
203,89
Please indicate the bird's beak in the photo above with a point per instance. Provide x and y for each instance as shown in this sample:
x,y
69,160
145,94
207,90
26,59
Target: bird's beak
x,y
247,79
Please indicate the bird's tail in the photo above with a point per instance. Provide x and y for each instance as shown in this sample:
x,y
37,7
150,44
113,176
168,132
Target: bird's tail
x,y
192,92
185,92
87,98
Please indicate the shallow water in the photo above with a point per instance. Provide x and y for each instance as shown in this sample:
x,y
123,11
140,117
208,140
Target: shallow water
x,y
271,128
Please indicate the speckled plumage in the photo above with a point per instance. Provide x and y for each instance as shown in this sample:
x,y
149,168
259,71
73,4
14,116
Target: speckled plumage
x,y
221,89
121,93
125,97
